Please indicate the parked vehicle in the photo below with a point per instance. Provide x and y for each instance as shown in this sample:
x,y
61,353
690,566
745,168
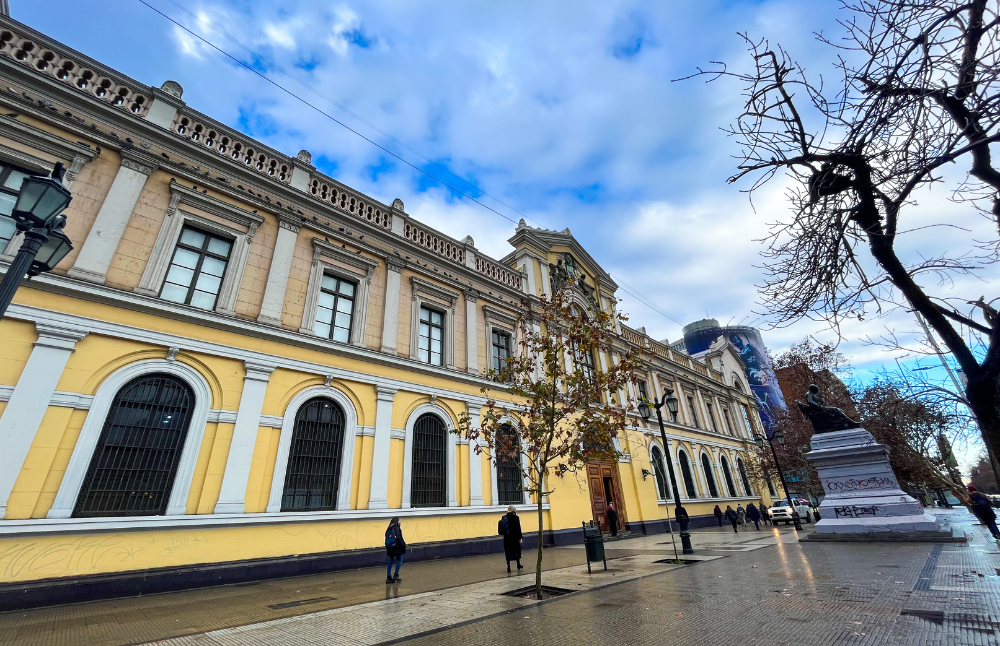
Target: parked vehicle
x,y
781,511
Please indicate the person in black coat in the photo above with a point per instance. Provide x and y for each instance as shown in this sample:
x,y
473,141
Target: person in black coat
x,y
512,538
718,515
732,517
612,519
395,547
754,515
983,510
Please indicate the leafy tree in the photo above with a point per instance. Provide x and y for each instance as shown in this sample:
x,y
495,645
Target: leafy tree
x,y
912,103
558,412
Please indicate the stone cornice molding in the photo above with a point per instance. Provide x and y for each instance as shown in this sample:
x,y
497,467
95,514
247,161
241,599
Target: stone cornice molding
x,y
421,286
293,224
322,248
493,314
180,194
139,161
45,141
395,263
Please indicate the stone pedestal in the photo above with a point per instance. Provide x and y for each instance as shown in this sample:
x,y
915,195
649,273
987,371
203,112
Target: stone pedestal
x,y
863,499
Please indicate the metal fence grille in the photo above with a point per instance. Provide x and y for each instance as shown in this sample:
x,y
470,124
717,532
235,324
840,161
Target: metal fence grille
x,y
136,458
706,466
510,479
728,475
428,487
313,474
661,477
686,475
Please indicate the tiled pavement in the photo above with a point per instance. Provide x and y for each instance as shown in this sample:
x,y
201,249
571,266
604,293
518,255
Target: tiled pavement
x,y
753,587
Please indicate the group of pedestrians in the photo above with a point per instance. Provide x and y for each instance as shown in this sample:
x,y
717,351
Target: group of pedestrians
x,y
739,516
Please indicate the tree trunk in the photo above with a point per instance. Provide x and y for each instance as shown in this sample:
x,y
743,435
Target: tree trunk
x,y
538,562
984,400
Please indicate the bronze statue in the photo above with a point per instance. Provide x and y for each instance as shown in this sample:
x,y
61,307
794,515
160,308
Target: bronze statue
x,y
825,419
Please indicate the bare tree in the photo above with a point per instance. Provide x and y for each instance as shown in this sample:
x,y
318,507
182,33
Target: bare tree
x,y
917,91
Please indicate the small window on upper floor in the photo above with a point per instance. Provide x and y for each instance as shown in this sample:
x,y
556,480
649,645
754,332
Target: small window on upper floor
x,y
694,412
197,268
643,390
431,344
501,348
584,361
10,186
335,309
711,417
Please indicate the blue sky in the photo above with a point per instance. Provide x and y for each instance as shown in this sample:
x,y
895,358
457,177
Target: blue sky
x,y
565,112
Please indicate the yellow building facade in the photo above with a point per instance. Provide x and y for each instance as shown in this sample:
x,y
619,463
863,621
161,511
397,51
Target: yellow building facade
x,y
245,368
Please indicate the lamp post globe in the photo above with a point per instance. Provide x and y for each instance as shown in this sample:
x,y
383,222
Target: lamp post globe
x,y
672,405
51,252
644,412
40,202
758,440
779,437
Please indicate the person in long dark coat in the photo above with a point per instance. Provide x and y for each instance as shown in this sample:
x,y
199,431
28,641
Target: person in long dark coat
x,y
765,515
983,510
732,517
612,519
395,547
513,539
718,515
753,515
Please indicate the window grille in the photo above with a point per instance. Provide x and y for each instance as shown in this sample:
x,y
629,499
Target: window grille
x,y
10,188
312,478
431,341
730,485
510,478
135,461
501,349
694,413
197,268
743,477
428,486
706,466
686,475
335,309
658,474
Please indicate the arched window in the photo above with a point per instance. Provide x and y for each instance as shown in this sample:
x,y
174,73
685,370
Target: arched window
x,y
730,485
686,475
312,477
135,460
706,466
429,483
661,477
510,479
743,477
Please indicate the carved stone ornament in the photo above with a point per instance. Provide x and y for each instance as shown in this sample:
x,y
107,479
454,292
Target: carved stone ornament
x,y
824,419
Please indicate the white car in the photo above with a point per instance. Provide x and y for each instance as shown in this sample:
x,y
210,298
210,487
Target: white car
x,y
781,512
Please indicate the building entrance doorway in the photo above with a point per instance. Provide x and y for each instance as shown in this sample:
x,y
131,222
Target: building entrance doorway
x,y
605,487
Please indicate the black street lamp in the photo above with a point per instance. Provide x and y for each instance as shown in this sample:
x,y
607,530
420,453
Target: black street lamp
x,y
778,437
37,214
680,513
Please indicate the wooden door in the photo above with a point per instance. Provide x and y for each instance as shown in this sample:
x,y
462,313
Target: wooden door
x,y
605,486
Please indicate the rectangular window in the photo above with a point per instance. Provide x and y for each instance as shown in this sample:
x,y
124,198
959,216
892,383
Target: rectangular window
x,y
10,188
727,421
643,392
694,413
584,360
197,268
501,349
746,419
711,417
335,309
431,341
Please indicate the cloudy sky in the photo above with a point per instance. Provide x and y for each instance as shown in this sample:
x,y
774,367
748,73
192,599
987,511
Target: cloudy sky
x,y
564,113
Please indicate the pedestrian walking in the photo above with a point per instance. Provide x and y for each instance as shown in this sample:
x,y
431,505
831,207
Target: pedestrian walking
x,y
718,515
612,518
742,515
395,547
765,515
510,528
732,517
754,515
983,510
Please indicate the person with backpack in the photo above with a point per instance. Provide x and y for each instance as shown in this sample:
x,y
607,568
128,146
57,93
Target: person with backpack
x,y
983,510
510,528
395,547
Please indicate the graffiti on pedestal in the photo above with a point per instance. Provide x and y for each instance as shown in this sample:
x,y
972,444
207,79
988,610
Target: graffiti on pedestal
x,y
854,511
875,482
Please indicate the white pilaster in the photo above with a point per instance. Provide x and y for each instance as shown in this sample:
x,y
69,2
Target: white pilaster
x,y
106,232
475,461
232,497
302,171
277,275
471,332
390,320
30,399
379,496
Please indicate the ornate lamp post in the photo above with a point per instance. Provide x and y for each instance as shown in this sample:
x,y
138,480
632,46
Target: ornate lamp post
x,y
778,437
680,513
38,214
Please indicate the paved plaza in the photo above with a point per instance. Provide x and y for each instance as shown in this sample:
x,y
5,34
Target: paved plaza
x,y
754,587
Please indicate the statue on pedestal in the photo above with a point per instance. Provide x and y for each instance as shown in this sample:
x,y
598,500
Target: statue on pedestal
x,y
825,419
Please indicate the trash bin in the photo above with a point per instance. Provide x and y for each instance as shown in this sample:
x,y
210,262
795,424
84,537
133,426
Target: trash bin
x,y
595,546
